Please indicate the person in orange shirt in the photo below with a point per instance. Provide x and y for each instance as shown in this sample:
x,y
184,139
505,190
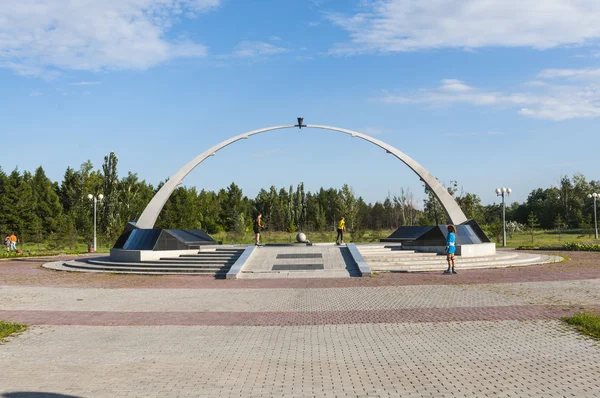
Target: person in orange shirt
x,y
13,242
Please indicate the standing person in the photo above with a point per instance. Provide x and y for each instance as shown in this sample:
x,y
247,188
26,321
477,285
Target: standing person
x,y
7,243
257,226
450,249
340,231
13,242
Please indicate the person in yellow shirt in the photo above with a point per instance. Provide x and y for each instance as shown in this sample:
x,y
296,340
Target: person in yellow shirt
x,y
340,231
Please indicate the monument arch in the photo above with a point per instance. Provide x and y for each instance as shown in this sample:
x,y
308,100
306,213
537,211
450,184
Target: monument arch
x,y
151,212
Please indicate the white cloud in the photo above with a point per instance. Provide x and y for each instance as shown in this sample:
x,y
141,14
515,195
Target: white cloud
x,y
410,25
576,94
84,83
35,94
252,49
570,73
38,37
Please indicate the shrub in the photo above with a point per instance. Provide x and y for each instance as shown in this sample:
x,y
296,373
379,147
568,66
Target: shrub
x,y
581,247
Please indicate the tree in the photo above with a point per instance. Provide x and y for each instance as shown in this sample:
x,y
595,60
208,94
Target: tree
x,y
532,221
559,224
110,221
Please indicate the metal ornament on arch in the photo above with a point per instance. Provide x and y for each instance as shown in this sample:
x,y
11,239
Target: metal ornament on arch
x,y
143,236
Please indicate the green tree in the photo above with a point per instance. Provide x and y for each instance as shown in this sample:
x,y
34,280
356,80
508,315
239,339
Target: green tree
x,y
532,222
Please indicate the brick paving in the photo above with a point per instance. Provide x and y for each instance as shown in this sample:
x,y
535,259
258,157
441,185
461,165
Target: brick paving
x,y
28,272
492,332
452,359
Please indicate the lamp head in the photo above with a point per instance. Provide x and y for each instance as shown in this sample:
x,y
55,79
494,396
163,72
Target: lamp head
x,y
595,195
300,121
100,197
90,196
498,191
508,191
503,190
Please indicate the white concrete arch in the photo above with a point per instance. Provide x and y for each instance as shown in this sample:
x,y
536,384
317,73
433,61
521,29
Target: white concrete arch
x,y
151,212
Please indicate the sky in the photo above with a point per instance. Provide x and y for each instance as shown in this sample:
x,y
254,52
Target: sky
x,y
488,93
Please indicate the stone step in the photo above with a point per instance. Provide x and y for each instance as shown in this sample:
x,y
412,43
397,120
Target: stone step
x,y
438,258
212,254
145,269
375,264
473,265
197,260
158,263
402,259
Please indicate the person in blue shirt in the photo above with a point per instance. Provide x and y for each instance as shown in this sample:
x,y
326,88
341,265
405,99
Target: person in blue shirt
x,y
450,249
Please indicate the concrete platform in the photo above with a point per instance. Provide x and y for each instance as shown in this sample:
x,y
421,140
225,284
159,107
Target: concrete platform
x,y
300,262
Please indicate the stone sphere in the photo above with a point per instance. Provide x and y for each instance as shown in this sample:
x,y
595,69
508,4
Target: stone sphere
x,y
301,237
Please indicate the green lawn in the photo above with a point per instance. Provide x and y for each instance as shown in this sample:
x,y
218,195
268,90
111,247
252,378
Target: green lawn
x,y
546,238
541,238
285,237
588,324
8,328
35,249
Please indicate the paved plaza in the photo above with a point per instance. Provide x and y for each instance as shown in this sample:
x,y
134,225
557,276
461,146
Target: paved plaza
x,y
489,332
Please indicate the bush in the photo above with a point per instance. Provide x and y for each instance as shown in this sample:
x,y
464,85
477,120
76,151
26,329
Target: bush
x,y
581,247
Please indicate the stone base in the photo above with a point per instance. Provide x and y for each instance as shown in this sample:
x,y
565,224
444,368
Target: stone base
x,y
138,256
475,250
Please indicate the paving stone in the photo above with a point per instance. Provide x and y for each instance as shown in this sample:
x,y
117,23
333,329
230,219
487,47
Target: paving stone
x,y
539,358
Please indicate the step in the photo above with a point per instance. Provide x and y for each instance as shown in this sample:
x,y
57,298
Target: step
x,y
442,260
475,265
212,255
439,258
81,265
411,258
195,260
160,264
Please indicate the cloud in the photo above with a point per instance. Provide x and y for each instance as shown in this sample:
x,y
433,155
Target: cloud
x,y
253,49
566,94
411,25
590,73
35,94
84,84
39,37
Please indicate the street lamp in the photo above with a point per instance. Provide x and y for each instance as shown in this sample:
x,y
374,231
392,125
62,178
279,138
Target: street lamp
x,y
95,199
503,192
595,196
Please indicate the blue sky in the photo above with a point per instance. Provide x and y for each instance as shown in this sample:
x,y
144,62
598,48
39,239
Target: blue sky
x,y
488,93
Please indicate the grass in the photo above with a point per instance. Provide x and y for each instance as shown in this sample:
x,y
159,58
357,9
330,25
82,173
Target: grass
x,y
42,250
286,237
9,328
588,324
546,238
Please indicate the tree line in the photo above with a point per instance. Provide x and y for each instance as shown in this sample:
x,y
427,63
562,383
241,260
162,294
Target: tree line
x,y
60,214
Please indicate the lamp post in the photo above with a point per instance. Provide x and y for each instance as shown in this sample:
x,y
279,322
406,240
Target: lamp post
x,y
503,192
95,200
595,196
